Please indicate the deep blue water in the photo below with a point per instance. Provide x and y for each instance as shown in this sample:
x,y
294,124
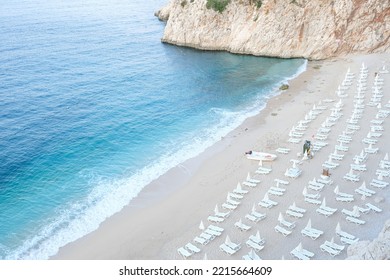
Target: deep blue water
x,y
93,107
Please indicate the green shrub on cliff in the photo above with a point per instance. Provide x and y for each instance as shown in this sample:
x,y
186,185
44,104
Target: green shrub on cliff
x,y
217,5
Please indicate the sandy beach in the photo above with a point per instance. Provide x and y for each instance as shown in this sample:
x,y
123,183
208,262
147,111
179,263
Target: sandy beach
x,y
167,213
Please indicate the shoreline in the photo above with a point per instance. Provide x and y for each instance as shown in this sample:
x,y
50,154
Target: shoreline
x,y
167,212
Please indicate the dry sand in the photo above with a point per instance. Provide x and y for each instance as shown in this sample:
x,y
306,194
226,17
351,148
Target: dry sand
x,y
167,213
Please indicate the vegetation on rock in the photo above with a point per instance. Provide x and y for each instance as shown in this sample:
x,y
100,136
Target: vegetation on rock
x,y
217,5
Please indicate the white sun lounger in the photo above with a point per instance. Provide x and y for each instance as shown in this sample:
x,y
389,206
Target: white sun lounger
x,y
274,192
212,232
359,167
355,220
278,189
348,241
324,212
330,165
364,210
265,204
344,234
309,233
334,245
263,170
314,182
257,239
207,236
294,140
225,248
312,201
352,177
373,207
309,195
252,180
365,189
282,230
293,172
285,223
184,253
215,219
294,214
371,150
315,188
299,255
279,181
259,215
254,245
236,196
352,213
249,184
241,226
192,248
295,208
362,192
251,256
283,150
253,218
228,206
232,201
201,240
215,228
344,199
331,251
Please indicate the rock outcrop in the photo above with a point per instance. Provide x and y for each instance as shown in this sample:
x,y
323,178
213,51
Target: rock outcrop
x,y
378,249
314,29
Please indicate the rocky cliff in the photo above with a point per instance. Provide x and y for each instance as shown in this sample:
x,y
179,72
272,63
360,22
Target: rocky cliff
x,y
378,249
314,29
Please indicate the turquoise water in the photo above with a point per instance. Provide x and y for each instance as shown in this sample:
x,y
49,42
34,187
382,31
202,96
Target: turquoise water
x,y
93,107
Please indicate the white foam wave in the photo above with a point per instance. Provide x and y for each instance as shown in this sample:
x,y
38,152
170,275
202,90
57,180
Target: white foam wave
x,y
110,196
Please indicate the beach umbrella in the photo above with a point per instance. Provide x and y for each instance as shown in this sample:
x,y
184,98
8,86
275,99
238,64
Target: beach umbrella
x,y
363,197
338,227
216,210
308,224
201,226
299,247
336,189
254,256
355,211
380,176
323,204
254,208
258,235
227,240
260,163
386,156
205,256
280,218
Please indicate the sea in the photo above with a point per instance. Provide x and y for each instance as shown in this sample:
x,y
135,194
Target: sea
x,y
93,107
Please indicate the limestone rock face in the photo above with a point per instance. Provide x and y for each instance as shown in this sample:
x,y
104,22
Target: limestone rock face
x,y
314,29
378,249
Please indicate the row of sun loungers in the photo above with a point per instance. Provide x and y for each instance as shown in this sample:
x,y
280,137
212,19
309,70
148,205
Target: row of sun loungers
x,y
286,226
